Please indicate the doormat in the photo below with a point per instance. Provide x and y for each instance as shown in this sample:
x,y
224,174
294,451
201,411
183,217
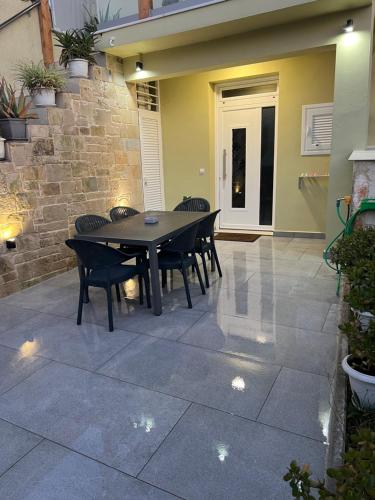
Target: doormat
x,y
250,238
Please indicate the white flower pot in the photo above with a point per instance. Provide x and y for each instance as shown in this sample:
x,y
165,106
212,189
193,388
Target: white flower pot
x,y
364,318
363,386
2,149
44,97
78,68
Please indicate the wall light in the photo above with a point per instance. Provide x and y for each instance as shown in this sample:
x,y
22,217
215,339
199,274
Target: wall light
x,y
349,26
138,66
10,243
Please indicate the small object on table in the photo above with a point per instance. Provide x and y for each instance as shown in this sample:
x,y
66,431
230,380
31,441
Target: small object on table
x,y
151,219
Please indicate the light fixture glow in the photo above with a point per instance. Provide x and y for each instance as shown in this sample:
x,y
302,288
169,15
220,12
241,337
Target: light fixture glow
x,y
349,26
138,66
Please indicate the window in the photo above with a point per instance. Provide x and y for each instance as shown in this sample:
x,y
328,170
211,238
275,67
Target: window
x,y
316,129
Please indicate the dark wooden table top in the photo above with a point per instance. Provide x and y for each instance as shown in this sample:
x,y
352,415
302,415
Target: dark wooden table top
x,y
134,231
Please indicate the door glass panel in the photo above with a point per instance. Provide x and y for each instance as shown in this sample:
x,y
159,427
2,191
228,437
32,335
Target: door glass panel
x,y
238,167
267,166
246,91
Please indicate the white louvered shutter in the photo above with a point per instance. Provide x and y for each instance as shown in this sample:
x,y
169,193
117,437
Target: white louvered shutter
x,y
151,152
317,121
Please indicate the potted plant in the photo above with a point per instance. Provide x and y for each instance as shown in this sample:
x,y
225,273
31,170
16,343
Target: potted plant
x,y
359,365
13,112
42,82
78,48
361,296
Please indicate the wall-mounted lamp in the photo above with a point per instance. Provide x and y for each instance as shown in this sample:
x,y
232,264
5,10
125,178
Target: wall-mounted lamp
x,y
10,243
112,41
138,66
349,26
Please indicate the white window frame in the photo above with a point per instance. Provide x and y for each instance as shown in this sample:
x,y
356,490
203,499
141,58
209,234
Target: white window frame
x,y
308,113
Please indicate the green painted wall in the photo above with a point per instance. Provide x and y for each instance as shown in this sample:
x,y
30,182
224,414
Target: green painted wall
x,y
188,121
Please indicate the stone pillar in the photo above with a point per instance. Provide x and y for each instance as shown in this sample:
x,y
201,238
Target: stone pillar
x,y
363,181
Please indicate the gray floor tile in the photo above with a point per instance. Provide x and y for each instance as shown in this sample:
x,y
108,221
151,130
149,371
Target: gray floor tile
x,y
331,323
14,444
304,288
15,365
266,342
212,455
117,423
294,312
299,402
218,380
85,346
51,472
12,315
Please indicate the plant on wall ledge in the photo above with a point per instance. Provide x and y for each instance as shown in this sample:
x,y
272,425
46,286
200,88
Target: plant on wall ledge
x,y
42,82
13,112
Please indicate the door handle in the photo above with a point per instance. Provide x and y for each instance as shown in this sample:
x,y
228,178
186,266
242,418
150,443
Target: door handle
x,y
224,164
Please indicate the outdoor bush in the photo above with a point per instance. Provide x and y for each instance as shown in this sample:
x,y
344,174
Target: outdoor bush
x,y
36,76
355,479
358,246
11,105
361,346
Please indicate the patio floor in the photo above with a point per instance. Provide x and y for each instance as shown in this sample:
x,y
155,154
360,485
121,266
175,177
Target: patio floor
x,y
208,403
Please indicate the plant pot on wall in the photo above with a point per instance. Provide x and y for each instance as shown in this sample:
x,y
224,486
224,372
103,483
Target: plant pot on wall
x,y
13,129
78,68
44,97
362,385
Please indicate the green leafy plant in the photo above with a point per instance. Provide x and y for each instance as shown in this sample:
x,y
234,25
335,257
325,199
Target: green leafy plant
x,y
36,76
361,346
358,246
11,105
355,479
104,15
77,44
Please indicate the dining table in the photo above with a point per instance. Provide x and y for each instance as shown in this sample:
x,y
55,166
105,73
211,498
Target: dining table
x,y
134,231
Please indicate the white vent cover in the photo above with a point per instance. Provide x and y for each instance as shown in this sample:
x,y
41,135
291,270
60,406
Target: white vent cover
x,y
317,121
151,152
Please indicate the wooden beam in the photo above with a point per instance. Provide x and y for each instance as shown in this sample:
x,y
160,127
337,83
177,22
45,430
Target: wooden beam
x,y
45,26
144,8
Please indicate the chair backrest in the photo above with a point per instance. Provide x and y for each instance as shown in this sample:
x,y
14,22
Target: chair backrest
x,y
183,242
93,255
193,205
206,226
87,223
118,213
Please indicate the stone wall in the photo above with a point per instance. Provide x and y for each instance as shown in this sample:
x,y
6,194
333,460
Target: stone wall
x,y
83,156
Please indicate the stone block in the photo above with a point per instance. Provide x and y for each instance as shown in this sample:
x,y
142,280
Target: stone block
x,y
50,188
58,172
89,184
52,213
98,130
38,131
43,147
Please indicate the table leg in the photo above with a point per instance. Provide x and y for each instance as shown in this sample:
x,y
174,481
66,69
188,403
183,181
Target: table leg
x,y
155,282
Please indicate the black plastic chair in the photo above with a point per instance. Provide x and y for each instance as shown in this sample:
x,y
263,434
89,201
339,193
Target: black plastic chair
x,y
205,244
103,268
118,213
179,253
193,205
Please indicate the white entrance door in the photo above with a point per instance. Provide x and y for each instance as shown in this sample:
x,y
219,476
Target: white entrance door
x,y
246,147
152,165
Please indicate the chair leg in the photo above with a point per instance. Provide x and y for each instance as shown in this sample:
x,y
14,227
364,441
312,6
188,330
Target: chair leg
x,y
199,275
163,278
80,303
216,259
118,294
187,289
109,304
146,277
205,270
140,283
212,262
